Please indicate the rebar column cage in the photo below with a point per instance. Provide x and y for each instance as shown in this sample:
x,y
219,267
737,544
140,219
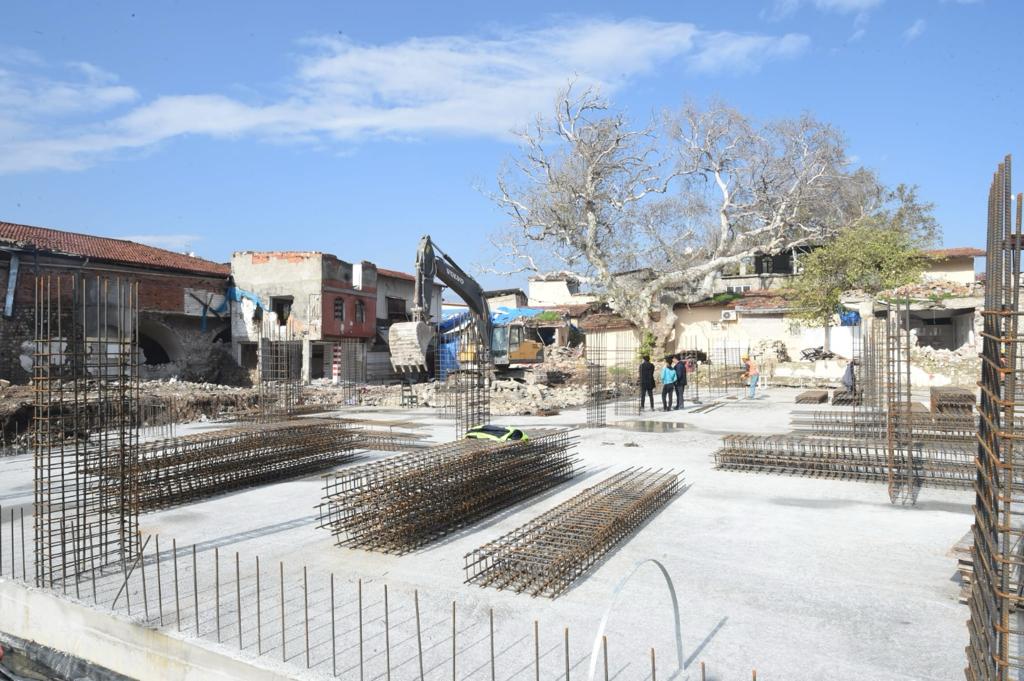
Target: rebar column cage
x,y
279,370
903,482
623,374
350,368
597,381
996,626
85,380
470,385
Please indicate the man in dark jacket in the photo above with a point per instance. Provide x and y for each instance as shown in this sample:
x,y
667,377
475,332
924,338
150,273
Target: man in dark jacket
x,y
680,368
646,382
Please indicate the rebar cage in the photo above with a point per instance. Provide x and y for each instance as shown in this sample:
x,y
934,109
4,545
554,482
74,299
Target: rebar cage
x,y
997,589
85,426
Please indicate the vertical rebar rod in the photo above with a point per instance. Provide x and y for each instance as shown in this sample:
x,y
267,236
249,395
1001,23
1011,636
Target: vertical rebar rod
x,y
24,572
654,667
567,654
360,630
259,611
419,636
177,602
282,613
195,587
216,587
238,596
145,596
387,636
536,650
453,637
334,652
491,616
159,586
305,609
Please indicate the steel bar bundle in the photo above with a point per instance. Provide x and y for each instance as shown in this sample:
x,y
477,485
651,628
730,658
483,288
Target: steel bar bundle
x,y
997,589
85,379
192,467
866,460
950,400
546,555
406,501
812,397
954,428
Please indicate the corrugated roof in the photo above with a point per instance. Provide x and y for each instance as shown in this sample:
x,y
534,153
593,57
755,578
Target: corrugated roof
x,y
105,249
958,252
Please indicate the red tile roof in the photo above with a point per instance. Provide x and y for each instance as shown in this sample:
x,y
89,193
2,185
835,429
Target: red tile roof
x,y
960,252
106,249
395,274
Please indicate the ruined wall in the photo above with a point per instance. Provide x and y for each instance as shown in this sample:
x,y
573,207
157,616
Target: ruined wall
x,y
166,297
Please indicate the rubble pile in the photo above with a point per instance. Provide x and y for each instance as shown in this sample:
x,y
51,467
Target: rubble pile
x,y
936,290
508,397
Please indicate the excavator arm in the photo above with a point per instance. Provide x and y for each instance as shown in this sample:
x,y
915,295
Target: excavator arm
x,y
409,340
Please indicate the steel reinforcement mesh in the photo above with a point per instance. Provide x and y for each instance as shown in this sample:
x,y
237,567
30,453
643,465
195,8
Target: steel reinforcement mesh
x,y
180,470
279,371
996,625
931,464
86,414
404,502
546,555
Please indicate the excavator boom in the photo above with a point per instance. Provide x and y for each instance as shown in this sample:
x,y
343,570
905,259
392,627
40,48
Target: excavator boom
x,y
409,341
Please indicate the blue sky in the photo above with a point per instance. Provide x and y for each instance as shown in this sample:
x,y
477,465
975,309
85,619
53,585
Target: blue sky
x,y
353,128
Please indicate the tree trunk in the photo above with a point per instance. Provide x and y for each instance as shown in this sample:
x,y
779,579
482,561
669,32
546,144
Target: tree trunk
x,y
828,337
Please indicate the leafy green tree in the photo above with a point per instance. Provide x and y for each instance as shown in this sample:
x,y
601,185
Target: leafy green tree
x,y
877,254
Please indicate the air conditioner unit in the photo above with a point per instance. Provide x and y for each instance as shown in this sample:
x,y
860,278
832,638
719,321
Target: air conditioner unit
x,y
728,315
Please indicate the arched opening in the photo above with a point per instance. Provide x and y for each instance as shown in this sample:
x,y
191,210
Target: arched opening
x,y
158,343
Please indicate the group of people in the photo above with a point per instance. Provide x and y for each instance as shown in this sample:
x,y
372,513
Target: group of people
x,y
673,380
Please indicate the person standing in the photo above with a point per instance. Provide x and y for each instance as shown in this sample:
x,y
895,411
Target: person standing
x,y
668,381
680,367
646,381
752,374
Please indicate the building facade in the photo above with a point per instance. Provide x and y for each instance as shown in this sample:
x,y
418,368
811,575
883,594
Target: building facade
x,y
183,307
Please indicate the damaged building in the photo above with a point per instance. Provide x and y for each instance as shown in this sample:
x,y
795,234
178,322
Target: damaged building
x,y
183,309
334,308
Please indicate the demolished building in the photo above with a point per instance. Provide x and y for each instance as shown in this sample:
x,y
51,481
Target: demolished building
x,y
182,298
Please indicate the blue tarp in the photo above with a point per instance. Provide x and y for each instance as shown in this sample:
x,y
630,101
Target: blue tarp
x,y
849,318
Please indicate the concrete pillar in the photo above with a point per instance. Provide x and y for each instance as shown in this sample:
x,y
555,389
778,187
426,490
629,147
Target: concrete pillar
x,y
307,359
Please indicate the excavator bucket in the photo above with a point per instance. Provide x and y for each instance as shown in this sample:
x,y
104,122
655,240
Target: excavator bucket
x,y
409,342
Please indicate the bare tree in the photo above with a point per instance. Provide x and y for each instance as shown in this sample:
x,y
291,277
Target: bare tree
x,y
673,204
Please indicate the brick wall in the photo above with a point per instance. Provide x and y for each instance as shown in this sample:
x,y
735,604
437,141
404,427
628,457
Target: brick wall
x,y
162,292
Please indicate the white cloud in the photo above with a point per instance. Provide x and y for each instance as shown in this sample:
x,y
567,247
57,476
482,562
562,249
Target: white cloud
x,y
171,242
914,31
344,91
783,8
737,53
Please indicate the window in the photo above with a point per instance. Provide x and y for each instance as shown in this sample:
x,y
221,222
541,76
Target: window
x,y
766,265
360,312
339,309
282,307
737,289
396,309
516,337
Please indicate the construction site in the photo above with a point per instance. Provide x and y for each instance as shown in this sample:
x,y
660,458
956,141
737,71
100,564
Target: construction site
x,y
863,531
534,342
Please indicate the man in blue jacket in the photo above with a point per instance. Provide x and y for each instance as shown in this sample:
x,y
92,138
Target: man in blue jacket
x,y
680,367
668,381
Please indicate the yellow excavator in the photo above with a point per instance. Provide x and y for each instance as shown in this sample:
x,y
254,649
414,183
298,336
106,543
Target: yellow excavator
x,y
504,345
